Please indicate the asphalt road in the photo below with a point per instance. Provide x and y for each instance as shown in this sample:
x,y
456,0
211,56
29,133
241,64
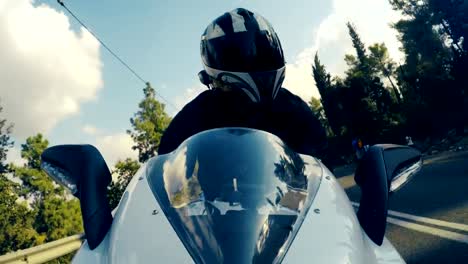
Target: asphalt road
x,y
428,221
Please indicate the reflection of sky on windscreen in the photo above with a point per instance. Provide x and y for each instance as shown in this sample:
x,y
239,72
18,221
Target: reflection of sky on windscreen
x,y
276,143
201,233
174,172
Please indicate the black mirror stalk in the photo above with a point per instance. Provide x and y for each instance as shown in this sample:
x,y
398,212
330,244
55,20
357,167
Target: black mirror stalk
x,y
371,177
383,170
84,168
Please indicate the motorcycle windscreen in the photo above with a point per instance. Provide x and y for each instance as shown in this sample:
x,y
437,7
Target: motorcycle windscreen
x,y
234,195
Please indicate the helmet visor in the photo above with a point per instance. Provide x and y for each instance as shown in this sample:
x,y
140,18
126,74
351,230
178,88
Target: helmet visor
x,y
259,86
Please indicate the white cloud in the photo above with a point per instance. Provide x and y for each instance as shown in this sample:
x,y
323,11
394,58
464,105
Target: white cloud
x,y
372,19
46,70
14,156
116,147
299,81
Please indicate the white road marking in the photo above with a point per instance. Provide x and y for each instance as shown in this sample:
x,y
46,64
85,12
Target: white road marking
x,y
458,226
430,230
347,181
432,221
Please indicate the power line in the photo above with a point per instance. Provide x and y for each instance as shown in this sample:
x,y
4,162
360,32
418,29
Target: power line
x,y
100,41
113,53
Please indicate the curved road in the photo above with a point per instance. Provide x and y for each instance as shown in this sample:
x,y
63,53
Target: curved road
x,y
428,218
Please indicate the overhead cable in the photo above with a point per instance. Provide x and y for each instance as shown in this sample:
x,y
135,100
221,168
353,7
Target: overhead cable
x,y
60,2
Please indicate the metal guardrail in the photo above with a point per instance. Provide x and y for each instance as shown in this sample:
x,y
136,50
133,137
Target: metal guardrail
x,y
45,252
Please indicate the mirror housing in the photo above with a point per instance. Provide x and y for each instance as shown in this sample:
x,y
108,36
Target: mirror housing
x,y
383,170
82,170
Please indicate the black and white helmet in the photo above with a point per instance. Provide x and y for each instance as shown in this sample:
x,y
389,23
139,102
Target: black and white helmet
x,y
240,49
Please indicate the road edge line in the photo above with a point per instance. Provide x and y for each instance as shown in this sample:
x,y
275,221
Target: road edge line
x,y
429,230
427,220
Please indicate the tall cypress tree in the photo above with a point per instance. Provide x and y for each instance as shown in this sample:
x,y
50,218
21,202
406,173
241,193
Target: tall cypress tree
x,y
328,99
359,47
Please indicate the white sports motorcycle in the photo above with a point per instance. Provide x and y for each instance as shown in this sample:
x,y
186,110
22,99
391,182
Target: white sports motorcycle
x,y
234,195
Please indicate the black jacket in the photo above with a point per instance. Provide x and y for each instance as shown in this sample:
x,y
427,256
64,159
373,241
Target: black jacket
x,y
287,117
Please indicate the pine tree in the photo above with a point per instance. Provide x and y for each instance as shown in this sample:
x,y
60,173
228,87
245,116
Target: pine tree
x,y
148,125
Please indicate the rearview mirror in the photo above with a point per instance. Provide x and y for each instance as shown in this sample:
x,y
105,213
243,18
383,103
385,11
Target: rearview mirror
x,y
82,170
383,170
402,163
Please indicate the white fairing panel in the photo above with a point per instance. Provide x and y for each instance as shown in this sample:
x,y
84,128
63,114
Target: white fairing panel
x,y
330,232
98,255
385,253
139,234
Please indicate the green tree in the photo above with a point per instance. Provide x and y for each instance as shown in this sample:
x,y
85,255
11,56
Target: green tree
x,y
125,170
31,151
36,185
368,102
56,213
5,142
381,62
367,68
16,220
432,96
316,107
362,59
450,15
330,97
148,125
58,217
360,105
322,77
452,18
35,182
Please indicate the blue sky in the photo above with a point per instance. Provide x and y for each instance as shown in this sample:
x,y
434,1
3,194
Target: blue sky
x,y
160,40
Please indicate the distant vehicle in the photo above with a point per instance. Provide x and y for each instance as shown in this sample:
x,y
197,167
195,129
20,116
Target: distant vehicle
x,y
234,195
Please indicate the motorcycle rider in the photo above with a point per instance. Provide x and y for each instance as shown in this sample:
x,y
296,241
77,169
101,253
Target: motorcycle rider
x,y
244,69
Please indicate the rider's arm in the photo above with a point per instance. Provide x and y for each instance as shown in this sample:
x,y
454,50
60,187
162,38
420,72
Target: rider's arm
x,y
307,135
